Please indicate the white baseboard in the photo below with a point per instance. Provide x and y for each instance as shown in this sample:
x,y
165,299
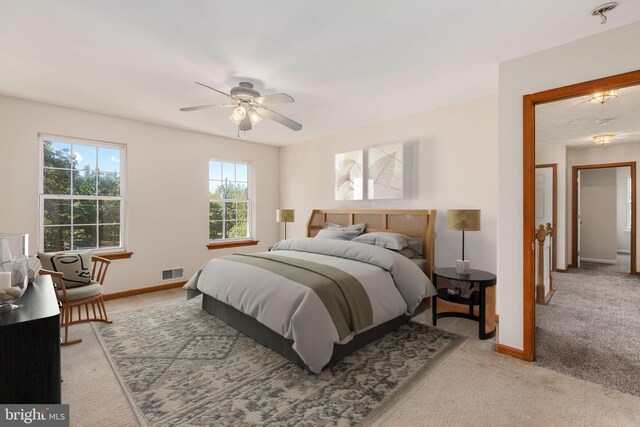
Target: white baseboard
x,y
624,251
599,261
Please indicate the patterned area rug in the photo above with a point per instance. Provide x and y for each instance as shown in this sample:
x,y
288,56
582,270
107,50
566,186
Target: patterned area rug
x,y
591,327
182,366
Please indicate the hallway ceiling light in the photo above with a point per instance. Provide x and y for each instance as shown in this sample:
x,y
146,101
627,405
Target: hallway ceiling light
x,y
603,96
603,138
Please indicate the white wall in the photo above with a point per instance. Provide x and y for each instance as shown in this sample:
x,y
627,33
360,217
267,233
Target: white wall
x,y
558,154
452,160
598,216
623,236
167,189
604,54
612,153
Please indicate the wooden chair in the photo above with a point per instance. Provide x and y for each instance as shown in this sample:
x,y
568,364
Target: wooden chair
x,y
80,296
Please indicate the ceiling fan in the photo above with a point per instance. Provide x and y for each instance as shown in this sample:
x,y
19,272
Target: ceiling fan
x,y
249,106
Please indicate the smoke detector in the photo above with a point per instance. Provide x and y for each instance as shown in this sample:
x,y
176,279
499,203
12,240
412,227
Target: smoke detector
x,y
602,9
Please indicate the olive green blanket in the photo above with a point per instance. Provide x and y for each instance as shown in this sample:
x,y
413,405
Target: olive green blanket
x,y
342,294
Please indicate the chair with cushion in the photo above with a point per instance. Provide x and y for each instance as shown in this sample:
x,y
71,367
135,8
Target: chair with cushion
x,y
79,279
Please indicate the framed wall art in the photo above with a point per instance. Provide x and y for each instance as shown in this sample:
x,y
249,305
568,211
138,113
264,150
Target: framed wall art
x,y
385,172
349,180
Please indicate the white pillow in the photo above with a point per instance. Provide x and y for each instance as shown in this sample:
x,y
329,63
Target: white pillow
x,y
336,234
76,266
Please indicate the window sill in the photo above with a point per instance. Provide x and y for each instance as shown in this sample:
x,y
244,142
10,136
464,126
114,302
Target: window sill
x,y
115,255
234,244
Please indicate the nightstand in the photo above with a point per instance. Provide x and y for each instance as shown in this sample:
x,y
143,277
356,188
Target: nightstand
x,y
479,306
30,348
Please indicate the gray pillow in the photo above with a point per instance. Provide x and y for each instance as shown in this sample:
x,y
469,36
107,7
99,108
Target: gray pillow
x,y
415,243
336,234
359,228
407,252
392,241
76,266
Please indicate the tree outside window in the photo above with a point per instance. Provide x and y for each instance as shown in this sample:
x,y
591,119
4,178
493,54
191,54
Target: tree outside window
x,y
229,202
81,198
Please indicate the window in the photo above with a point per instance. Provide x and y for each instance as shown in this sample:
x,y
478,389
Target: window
x,y
81,195
229,202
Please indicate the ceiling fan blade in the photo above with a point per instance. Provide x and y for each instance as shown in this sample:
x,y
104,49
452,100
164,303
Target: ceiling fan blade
x,y
209,87
202,107
245,124
276,98
293,125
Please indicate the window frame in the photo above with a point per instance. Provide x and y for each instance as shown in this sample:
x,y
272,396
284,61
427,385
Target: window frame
x,y
232,241
122,198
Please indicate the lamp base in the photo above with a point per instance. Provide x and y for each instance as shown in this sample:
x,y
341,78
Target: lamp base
x,y
463,267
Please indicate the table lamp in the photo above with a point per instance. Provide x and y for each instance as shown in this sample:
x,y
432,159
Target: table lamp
x,y
463,220
285,215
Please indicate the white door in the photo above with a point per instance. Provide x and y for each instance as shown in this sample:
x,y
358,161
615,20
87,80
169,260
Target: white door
x,y
544,196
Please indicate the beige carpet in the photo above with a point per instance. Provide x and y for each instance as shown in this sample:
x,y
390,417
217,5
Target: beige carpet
x,y
473,387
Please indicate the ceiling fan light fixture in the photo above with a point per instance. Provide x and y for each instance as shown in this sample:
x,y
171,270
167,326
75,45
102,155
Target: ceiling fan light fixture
x,y
247,106
239,113
254,116
603,139
234,119
603,96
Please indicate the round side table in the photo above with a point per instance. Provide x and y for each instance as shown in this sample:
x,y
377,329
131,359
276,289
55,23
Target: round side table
x,y
484,299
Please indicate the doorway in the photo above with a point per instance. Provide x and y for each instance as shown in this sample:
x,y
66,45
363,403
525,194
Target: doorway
x,y
599,193
529,138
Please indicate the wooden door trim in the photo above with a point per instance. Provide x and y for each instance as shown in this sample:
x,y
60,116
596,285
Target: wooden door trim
x,y
574,208
554,214
529,103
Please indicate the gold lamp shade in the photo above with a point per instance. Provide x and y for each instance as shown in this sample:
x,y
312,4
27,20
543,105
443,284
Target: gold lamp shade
x,y
285,215
463,219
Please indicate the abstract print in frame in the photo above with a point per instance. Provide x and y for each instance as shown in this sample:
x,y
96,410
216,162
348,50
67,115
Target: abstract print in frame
x,y
349,179
385,172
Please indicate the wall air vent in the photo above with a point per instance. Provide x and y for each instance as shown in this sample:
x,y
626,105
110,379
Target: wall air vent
x,y
173,273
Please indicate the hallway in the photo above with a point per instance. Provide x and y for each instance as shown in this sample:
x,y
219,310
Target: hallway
x,y
591,327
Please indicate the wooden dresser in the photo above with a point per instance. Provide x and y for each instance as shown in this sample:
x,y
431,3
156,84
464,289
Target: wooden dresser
x,y
30,347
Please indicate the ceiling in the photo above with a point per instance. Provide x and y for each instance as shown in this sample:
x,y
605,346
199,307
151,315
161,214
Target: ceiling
x,y
346,63
573,122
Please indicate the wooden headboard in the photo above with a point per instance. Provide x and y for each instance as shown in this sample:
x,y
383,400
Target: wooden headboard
x,y
417,223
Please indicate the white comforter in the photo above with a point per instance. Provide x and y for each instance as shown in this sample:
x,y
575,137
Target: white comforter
x,y
394,284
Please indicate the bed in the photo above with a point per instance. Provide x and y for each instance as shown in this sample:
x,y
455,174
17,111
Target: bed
x,y
315,300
